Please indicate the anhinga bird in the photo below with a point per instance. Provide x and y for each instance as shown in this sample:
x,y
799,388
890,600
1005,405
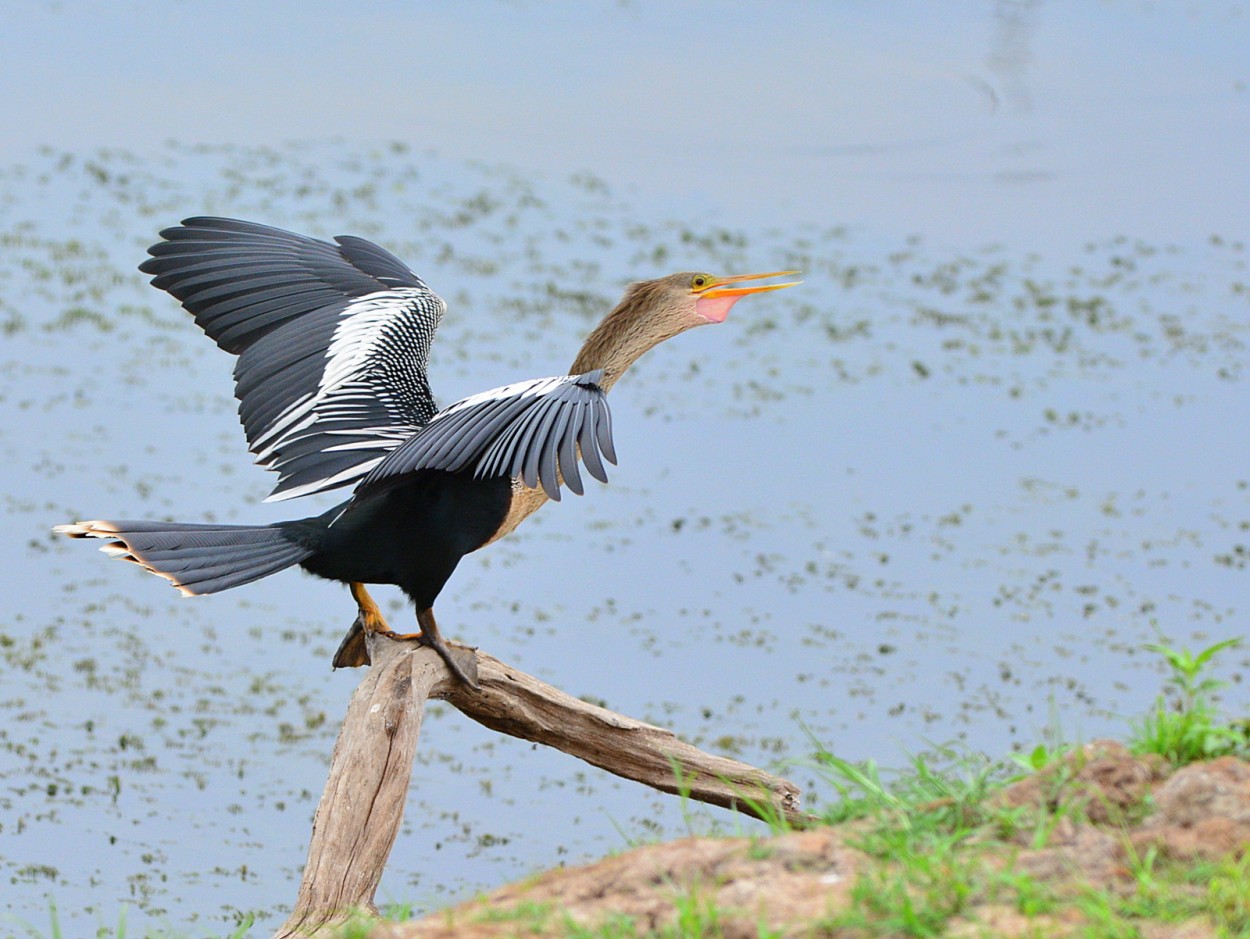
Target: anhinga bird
x,y
332,343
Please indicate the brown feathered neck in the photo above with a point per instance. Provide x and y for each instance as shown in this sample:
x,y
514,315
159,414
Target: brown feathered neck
x,y
649,313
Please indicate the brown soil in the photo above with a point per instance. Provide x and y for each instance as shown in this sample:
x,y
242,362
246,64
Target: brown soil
x,y
792,881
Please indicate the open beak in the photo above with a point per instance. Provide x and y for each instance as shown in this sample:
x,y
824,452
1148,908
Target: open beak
x,y
713,301
718,287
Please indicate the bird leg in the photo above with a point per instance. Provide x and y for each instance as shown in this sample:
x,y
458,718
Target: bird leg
x,y
353,651
462,662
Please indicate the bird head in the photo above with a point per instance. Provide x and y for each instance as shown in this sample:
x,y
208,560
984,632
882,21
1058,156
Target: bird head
x,y
675,303
655,310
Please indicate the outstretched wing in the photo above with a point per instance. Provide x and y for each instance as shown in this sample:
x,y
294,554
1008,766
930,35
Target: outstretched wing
x,y
534,430
332,340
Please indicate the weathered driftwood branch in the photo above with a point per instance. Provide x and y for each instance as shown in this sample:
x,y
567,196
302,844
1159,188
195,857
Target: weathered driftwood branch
x,y
515,703
363,804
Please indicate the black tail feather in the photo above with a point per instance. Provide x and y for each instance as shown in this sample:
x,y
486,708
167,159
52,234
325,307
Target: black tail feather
x,y
197,559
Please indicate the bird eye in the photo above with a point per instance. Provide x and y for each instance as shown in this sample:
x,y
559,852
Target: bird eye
x,y
699,281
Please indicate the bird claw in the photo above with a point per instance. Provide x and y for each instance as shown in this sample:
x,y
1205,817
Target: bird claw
x,y
461,661
353,651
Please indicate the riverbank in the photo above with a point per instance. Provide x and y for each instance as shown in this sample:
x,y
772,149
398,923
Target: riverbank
x,y
1101,842
1149,838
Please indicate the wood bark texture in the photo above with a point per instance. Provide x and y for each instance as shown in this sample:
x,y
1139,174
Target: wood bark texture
x,y
362,807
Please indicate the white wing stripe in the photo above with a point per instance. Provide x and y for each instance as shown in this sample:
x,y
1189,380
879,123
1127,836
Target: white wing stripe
x,y
358,342
338,479
356,338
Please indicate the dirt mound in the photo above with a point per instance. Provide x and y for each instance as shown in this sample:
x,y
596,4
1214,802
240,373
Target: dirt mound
x,y
1102,809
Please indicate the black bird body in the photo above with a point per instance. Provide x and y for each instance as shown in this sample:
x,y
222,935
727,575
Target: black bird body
x,y
411,533
332,343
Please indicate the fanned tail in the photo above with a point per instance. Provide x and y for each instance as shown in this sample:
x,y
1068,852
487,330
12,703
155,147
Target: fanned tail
x,y
198,559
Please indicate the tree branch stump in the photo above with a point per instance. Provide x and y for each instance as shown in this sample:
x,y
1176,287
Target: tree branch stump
x,y
362,807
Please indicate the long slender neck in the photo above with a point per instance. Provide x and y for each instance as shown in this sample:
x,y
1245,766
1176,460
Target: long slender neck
x,y
633,327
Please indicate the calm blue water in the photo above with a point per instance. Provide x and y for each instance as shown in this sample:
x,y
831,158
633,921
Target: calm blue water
x,y
941,493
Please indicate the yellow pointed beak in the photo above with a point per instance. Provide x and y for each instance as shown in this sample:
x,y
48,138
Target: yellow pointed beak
x,y
718,287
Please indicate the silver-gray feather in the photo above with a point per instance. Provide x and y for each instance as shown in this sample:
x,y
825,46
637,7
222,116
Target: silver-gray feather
x,y
533,430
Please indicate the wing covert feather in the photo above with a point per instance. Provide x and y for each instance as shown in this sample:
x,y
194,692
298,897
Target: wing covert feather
x,y
533,430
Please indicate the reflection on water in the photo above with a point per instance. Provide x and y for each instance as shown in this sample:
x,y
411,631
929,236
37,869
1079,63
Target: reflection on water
x,y
925,499
1015,31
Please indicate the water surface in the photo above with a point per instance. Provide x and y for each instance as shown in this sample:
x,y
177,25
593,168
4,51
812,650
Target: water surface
x,y
942,493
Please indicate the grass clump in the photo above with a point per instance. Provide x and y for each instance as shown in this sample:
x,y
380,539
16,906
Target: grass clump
x,y
944,845
931,833
1215,894
1183,726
